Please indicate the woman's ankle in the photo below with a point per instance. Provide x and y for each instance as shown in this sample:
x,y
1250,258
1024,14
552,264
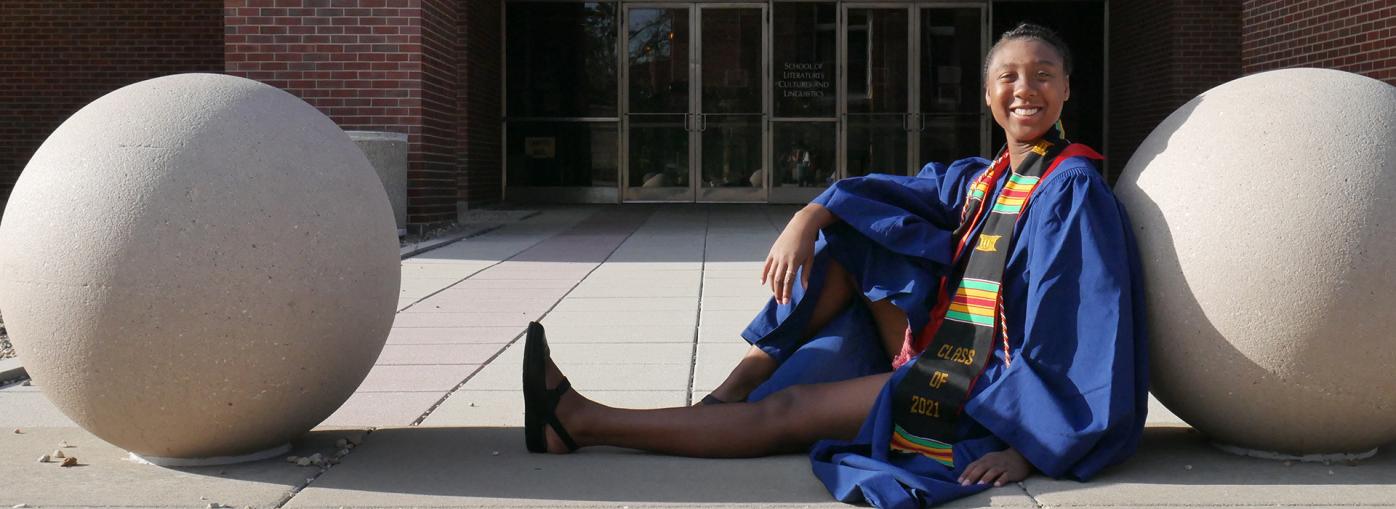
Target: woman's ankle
x,y
574,411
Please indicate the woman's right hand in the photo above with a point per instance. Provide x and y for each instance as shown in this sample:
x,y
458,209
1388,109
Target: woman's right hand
x,y
793,252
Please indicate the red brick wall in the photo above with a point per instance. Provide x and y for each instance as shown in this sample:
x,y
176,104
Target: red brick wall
x,y
1162,54
360,62
480,124
438,169
1351,35
55,57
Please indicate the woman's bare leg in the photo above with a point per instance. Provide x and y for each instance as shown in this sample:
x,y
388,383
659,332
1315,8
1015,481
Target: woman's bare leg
x,y
787,421
756,365
891,325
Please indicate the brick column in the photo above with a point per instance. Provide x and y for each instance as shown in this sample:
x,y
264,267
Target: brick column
x,y
363,63
481,125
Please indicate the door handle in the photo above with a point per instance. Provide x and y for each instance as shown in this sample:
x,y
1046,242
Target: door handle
x,y
686,123
702,122
906,122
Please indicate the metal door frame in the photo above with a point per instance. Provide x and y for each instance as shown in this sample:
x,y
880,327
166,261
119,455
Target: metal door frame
x,y
919,121
624,110
697,97
801,195
694,118
913,81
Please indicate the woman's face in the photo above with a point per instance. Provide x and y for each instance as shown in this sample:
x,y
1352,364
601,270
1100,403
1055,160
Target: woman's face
x,y
1025,88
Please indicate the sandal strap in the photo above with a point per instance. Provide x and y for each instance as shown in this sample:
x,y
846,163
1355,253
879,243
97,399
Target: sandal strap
x,y
711,400
554,397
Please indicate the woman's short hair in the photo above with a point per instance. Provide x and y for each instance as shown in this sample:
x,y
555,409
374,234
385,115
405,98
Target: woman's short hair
x,y
1031,31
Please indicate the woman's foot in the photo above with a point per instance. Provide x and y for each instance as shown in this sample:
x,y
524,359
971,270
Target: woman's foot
x,y
548,398
569,407
997,468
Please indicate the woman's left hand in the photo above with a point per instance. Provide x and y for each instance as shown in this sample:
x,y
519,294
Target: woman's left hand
x,y
999,468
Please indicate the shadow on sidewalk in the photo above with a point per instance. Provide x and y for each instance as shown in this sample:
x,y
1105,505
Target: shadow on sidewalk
x,y
394,466
462,462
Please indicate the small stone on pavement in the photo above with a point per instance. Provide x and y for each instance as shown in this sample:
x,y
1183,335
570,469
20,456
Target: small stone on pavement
x,y
305,462
43,459
69,461
57,454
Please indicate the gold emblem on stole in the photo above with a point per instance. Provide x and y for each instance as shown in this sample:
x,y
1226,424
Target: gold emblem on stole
x,y
988,243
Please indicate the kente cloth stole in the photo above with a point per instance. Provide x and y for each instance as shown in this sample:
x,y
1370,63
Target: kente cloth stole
x,y
929,399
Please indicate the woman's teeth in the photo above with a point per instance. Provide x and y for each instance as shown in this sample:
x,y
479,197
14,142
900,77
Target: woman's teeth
x,y
1026,112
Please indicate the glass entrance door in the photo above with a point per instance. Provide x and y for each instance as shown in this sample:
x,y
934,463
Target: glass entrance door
x,y
732,106
951,123
877,83
695,118
658,124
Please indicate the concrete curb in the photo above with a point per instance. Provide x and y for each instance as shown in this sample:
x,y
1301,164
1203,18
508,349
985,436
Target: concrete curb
x,y
473,230
11,369
468,230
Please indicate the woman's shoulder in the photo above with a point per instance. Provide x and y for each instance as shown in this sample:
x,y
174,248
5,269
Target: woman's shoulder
x,y
957,170
1078,168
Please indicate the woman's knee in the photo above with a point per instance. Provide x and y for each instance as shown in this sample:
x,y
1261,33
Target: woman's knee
x,y
785,415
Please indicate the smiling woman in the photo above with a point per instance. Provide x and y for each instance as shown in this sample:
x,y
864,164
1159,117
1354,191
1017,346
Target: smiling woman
x,y
928,337
1026,84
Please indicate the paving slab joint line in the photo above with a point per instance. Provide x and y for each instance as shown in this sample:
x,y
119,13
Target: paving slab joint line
x,y
422,418
1035,502
296,490
473,274
698,318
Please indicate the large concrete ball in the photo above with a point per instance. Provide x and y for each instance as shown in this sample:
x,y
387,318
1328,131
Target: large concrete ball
x,y
1265,211
198,266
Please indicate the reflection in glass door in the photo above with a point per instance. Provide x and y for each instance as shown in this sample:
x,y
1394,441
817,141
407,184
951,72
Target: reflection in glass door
x,y
952,123
731,107
805,117
695,107
877,82
658,127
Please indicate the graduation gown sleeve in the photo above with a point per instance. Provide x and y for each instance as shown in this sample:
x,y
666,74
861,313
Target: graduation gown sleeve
x,y
894,236
913,216
1073,399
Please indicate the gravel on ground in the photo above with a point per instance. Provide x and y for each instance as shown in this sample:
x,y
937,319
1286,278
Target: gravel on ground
x,y
6,349
439,231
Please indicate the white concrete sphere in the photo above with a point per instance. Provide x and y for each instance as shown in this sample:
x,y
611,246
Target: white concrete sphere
x,y
1265,210
198,266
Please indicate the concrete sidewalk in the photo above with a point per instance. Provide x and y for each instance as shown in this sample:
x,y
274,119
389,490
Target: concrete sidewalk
x,y
643,305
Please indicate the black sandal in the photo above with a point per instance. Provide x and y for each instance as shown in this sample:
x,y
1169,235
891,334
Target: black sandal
x,y
540,402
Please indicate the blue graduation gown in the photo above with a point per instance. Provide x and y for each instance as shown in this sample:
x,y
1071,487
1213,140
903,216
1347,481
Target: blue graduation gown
x,y
1074,398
